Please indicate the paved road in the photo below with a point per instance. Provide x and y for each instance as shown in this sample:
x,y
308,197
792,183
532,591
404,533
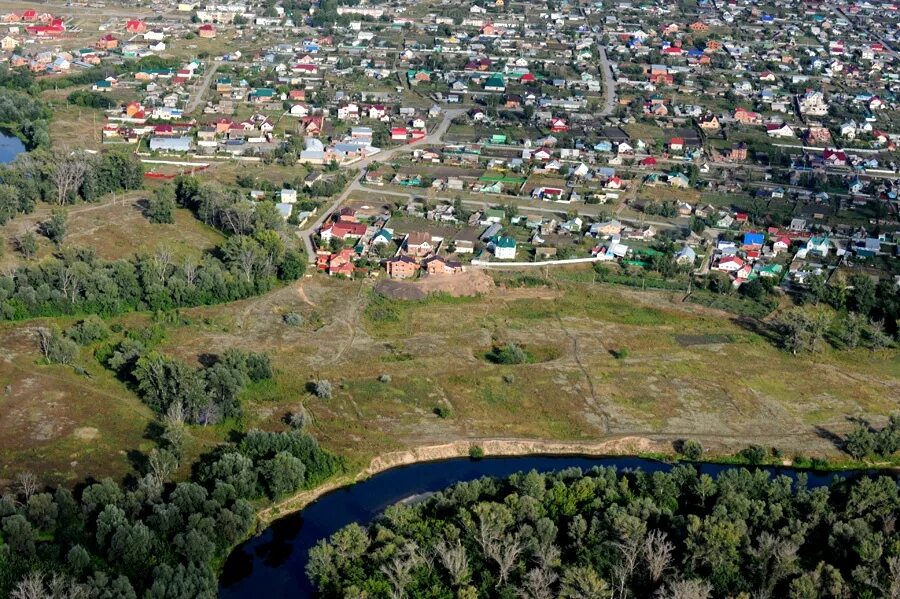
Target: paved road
x,y
434,137
200,92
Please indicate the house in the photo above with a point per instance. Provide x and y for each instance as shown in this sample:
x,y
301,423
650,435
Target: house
x,y
747,117
676,144
686,255
504,248
135,26
342,230
338,263
781,244
729,264
401,267
558,125
753,240
419,243
438,265
818,246
833,157
288,196
738,152
495,83
782,130
709,122
207,31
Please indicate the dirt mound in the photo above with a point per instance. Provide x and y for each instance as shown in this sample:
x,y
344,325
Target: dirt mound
x,y
468,283
400,290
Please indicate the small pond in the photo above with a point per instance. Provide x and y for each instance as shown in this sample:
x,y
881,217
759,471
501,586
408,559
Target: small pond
x,y
10,147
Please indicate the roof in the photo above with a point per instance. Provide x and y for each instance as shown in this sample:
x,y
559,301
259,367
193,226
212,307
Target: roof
x,y
505,242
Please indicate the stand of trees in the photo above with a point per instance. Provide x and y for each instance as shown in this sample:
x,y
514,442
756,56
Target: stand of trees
x,y
60,178
25,116
205,396
605,534
250,262
151,538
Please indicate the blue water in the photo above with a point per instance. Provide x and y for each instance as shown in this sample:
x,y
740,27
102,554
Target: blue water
x,y
10,147
273,564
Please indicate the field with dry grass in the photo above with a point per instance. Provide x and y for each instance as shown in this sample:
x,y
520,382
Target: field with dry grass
x,y
605,363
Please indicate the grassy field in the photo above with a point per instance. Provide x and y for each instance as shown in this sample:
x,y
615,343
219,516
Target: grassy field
x,y
100,227
605,362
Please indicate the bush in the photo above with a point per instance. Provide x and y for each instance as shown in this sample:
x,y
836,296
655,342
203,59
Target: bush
x,y
753,454
292,319
508,354
620,354
89,330
691,449
442,412
322,389
476,452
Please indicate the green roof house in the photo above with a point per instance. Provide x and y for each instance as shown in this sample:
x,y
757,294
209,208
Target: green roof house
x,y
495,84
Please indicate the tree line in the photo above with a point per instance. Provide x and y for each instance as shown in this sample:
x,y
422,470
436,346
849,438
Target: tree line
x,y
150,538
606,534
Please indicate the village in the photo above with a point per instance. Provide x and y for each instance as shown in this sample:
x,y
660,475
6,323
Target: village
x,y
737,138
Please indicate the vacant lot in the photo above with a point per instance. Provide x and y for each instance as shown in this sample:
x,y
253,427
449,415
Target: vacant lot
x,y
607,363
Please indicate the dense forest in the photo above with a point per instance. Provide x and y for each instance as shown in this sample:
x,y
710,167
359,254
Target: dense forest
x,y
605,534
150,538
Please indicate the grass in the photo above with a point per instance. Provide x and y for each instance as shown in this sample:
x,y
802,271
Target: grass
x,y
99,227
728,395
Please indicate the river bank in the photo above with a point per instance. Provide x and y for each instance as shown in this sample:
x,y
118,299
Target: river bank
x,y
625,446
634,446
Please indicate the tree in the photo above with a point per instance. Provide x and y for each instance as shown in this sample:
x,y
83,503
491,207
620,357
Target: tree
x,y
9,203
161,205
55,228
583,582
55,347
27,245
803,328
67,173
861,442
851,329
691,449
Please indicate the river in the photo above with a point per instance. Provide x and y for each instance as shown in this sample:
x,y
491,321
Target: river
x,y
10,147
273,563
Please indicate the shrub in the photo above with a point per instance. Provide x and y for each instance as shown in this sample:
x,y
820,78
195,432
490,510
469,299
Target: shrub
x,y
442,411
322,389
753,454
508,354
297,419
292,319
620,354
476,452
89,330
691,449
